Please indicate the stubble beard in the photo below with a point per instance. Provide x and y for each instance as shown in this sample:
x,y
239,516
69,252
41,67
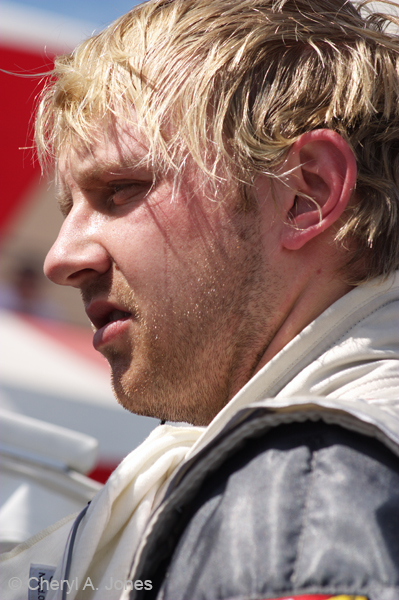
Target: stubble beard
x,y
188,370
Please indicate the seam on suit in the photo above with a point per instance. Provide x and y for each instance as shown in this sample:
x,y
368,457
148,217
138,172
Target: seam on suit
x,y
309,490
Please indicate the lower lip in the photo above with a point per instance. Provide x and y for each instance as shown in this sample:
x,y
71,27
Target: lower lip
x,y
110,332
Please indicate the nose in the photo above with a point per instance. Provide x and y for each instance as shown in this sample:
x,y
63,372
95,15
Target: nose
x,y
78,255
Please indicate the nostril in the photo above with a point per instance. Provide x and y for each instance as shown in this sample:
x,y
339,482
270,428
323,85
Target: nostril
x,y
75,278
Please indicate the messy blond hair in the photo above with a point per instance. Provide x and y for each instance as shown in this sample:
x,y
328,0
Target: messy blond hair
x,y
235,83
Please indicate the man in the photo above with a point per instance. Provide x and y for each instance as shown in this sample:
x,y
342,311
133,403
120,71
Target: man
x,y
228,173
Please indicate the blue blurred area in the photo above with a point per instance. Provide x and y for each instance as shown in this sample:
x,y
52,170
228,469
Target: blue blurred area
x,y
101,12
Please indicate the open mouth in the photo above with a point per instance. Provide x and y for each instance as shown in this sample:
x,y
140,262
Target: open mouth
x,y
109,322
117,315
103,313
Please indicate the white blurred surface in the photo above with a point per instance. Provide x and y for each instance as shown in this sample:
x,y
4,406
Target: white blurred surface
x,y
38,487
44,378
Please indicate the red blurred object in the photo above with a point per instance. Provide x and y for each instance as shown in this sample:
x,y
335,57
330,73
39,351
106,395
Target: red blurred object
x,y
30,38
17,102
102,472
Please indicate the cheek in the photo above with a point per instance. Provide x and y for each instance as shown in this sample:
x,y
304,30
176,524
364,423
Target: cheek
x,y
138,249
166,248
154,247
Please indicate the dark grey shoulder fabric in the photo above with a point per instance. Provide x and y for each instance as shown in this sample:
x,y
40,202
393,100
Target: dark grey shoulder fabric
x,y
306,508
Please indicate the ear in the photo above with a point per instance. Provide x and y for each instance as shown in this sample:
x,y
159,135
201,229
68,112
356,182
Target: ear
x,y
322,177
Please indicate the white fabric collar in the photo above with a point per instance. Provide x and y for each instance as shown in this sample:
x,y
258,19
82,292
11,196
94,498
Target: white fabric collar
x,y
329,354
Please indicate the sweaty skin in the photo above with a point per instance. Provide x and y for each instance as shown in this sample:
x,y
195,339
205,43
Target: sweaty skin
x,y
174,283
191,294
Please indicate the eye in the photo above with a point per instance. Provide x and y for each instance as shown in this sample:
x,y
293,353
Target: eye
x,y
123,192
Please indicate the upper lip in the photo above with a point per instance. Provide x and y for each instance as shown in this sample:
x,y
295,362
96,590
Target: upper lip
x,y
100,312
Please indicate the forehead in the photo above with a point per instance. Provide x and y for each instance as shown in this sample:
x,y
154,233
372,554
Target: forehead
x,y
120,145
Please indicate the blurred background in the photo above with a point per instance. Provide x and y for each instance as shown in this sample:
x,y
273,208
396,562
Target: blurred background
x,y
31,34
48,368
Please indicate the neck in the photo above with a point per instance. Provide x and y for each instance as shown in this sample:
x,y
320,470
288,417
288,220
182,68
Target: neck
x,y
302,307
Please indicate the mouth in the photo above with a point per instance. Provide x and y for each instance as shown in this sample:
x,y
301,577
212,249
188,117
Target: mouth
x,y
114,315
102,313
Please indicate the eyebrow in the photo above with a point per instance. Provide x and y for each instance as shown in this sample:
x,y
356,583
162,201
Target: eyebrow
x,y
94,174
91,177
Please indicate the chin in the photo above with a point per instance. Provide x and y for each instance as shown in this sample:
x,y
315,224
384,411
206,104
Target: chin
x,y
165,407
168,394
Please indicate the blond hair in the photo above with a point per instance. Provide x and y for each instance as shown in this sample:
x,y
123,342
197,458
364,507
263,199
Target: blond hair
x,y
235,83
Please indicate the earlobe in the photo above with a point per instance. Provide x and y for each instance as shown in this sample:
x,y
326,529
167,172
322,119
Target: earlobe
x,y
323,178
